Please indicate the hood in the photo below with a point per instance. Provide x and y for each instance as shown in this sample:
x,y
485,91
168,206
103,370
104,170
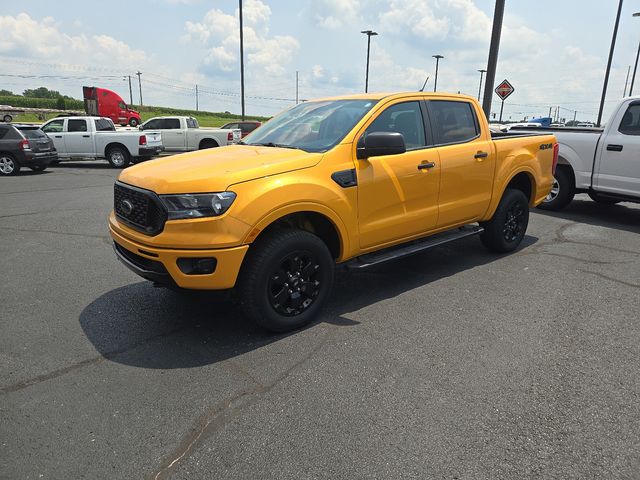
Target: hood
x,y
214,169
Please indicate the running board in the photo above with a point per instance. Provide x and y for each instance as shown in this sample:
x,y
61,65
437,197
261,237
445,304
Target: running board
x,y
392,253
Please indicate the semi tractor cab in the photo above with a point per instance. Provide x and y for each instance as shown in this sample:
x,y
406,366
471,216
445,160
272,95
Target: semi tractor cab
x,y
100,102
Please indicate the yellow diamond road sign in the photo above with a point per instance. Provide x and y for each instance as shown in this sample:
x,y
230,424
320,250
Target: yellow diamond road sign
x,y
504,89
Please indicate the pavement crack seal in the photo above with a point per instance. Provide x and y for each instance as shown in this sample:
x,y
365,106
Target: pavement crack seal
x,y
612,279
84,363
226,411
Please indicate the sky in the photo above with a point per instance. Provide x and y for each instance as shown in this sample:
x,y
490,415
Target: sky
x,y
554,52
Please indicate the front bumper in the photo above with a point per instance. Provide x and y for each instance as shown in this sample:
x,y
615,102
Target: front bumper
x,y
160,265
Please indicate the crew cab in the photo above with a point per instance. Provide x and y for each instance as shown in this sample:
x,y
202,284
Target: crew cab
x,y
96,137
604,163
183,134
354,180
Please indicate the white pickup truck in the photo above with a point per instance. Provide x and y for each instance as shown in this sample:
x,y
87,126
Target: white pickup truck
x,y
183,134
604,163
96,137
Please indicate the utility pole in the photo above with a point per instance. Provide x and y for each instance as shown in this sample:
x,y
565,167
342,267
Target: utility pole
x,y
241,60
130,91
435,82
498,14
196,97
369,34
482,72
606,76
575,114
140,85
296,87
624,93
633,78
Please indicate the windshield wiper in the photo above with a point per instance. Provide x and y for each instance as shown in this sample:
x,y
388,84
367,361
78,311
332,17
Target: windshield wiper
x,y
271,144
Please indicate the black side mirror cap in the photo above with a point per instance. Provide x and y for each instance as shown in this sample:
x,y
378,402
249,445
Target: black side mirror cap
x,y
376,144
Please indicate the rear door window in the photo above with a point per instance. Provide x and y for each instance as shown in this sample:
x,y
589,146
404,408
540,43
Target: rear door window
x,y
77,125
9,133
630,124
404,118
453,122
53,126
248,127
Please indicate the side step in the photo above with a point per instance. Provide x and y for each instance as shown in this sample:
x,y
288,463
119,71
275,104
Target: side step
x,y
400,251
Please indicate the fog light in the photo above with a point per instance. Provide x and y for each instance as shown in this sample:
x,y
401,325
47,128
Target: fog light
x,y
197,266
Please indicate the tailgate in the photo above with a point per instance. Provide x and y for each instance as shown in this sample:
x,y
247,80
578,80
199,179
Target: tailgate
x,y
237,135
154,139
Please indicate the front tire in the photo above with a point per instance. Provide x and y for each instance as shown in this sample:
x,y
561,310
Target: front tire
x,y
8,165
562,191
38,168
133,122
7,119
504,232
285,279
118,157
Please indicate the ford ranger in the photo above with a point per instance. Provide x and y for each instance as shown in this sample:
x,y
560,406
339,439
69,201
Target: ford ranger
x,y
354,180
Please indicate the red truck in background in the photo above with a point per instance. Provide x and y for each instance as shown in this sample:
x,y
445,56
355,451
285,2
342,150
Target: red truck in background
x,y
100,102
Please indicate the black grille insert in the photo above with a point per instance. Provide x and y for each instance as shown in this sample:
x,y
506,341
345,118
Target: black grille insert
x,y
140,209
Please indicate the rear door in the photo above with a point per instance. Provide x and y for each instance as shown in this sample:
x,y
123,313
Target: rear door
x,y
467,161
55,130
78,138
618,170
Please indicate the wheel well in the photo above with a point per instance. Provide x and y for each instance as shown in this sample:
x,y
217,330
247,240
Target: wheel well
x,y
111,146
522,182
312,222
206,142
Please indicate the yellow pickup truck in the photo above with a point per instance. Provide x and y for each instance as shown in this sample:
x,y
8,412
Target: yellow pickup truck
x,y
354,180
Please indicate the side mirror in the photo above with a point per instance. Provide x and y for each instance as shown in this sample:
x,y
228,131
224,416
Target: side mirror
x,y
375,144
140,127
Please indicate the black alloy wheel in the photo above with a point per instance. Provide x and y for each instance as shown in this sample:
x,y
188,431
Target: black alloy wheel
x,y
514,221
506,229
295,284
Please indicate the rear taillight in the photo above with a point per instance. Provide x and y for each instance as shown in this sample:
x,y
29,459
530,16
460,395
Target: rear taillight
x,y
556,149
142,140
24,145
230,136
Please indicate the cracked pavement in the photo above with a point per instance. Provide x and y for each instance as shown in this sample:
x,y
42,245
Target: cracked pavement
x,y
452,363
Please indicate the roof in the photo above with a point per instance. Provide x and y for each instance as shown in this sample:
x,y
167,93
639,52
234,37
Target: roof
x,y
377,96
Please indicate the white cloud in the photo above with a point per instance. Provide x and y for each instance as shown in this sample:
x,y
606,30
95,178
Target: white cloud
x,y
334,14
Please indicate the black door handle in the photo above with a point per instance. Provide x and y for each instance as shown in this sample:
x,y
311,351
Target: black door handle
x,y
424,166
481,155
614,148
58,136
86,136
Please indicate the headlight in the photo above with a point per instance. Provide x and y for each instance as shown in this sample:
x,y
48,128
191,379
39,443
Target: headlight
x,y
198,204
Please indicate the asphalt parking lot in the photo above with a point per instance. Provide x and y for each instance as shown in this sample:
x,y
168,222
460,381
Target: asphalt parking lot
x,y
454,363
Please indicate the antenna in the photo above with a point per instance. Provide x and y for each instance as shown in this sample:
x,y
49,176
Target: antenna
x,y
425,84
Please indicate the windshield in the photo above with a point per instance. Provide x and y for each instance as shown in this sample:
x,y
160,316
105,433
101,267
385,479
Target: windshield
x,y
311,126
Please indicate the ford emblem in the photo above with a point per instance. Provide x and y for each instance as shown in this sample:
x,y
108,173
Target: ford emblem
x,y
127,207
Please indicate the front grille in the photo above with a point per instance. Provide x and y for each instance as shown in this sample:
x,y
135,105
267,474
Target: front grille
x,y
138,208
142,262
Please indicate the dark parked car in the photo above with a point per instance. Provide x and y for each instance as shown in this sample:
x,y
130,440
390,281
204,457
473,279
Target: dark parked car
x,y
24,146
245,127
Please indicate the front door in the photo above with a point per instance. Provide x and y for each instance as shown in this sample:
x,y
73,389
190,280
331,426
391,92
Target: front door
x,y
467,162
54,130
618,170
396,199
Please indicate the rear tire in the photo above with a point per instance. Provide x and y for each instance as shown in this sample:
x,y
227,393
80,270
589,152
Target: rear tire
x,y
285,279
504,232
207,144
602,200
8,165
118,157
7,118
562,191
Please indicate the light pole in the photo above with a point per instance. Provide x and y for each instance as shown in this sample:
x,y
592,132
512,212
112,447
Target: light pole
x,y
369,34
496,32
241,57
435,82
482,72
606,75
637,14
